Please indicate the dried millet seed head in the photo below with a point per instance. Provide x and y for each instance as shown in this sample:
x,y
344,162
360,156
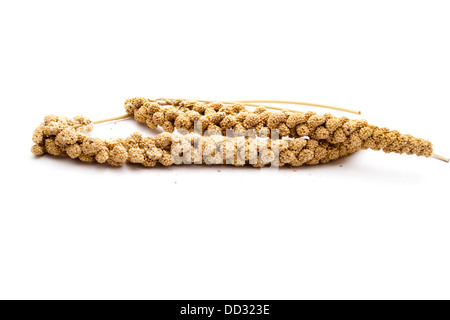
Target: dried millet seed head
x,y
220,117
68,140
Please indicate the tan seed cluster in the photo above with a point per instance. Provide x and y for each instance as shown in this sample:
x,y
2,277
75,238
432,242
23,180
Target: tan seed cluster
x,y
312,138
219,117
63,137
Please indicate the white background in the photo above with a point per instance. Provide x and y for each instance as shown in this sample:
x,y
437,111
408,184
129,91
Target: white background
x,y
377,227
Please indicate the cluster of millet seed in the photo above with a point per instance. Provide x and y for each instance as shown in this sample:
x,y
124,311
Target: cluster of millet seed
x,y
219,149
346,133
62,136
314,138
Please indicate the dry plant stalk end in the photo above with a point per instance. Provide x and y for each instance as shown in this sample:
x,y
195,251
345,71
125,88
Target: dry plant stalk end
x,y
436,156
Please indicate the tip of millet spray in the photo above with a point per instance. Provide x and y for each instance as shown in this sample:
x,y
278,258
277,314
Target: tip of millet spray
x,y
436,156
